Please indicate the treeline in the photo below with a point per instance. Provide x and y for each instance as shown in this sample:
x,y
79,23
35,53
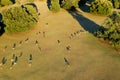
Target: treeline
x,y
103,7
66,4
111,31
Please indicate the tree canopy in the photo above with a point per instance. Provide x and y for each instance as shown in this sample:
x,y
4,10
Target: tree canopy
x,y
112,31
68,4
55,6
19,18
116,3
5,2
103,7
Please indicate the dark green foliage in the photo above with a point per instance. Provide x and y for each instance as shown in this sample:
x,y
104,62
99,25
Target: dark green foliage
x,y
16,59
19,19
68,4
112,31
103,7
55,6
116,3
5,2
82,2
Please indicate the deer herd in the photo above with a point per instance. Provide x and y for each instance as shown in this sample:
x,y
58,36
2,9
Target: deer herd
x,y
15,58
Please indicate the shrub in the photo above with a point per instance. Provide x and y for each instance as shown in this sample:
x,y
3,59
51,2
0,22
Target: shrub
x,y
68,4
5,2
116,3
103,7
112,31
55,6
19,19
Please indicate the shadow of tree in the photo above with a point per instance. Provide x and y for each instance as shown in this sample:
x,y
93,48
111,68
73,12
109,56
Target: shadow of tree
x,y
60,2
86,23
13,1
85,8
1,26
49,3
31,4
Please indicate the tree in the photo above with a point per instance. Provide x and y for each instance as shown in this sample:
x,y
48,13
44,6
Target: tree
x,y
68,4
112,31
103,7
116,3
20,18
55,6
5,2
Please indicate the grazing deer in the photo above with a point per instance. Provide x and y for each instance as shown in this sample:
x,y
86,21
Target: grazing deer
x,y
68,48
36,42
13,57
75,33
5,47
14,46
4,60
39,48
11,67
46,23
30,57
26,40
44,34
36,33
81,30
20,43
21,53
30,60
66,61
16,59
72,35
58,41
13,62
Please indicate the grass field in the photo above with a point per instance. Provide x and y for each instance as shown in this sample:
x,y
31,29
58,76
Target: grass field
x,y
89,58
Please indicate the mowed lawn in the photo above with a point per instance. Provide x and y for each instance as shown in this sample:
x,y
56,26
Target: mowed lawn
x,y
89,58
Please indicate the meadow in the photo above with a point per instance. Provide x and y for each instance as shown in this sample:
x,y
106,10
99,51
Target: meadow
x,y
58,36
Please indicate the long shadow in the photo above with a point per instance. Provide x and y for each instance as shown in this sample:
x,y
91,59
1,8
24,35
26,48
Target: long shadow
x,y
85,6
31,4
13,1
49,3
86,23
1,26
